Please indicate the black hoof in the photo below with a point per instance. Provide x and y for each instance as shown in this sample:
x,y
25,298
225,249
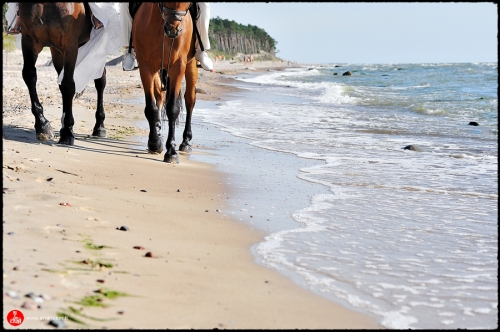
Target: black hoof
x,y
45,133
171,159
99,132
155,147
185,147
66,140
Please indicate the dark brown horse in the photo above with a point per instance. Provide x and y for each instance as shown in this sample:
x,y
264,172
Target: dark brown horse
x,y
163,39
63,27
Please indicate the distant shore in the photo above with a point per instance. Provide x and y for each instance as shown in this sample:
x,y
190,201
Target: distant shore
x,y
63,208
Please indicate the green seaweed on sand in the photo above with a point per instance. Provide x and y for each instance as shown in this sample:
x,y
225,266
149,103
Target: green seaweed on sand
x,y
79,313
95,264
92,301
90,245
97,300
55,271
69,317
110,294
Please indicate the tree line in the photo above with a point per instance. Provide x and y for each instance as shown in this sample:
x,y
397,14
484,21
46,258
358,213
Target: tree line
x,y
227,37
231,38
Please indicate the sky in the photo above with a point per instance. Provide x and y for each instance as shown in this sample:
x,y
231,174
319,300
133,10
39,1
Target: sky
x,y
405,32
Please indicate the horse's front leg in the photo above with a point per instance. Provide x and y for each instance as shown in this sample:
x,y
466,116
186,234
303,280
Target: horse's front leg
x,y
67,88
173,109
43,129
100,84
190,99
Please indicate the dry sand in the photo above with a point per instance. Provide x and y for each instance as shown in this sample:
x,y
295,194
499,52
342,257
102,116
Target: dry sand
x,y
202,274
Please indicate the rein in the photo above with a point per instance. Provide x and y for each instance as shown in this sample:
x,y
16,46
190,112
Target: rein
x,y
172,14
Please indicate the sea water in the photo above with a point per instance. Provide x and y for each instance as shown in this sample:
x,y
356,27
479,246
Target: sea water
x,y
408,236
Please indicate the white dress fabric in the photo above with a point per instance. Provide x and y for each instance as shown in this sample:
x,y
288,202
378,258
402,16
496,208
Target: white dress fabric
x,y
92,56
202,24
126,23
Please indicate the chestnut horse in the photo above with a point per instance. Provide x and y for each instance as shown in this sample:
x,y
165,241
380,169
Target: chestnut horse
x,y
163,40
63,27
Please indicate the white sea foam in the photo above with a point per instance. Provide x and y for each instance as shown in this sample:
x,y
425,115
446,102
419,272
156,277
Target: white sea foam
x,y
410,236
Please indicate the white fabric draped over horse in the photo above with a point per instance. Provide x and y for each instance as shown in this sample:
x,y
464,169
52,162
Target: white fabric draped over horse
x,y
92,55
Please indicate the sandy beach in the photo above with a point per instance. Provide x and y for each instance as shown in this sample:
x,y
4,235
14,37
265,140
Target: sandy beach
x,y
64,252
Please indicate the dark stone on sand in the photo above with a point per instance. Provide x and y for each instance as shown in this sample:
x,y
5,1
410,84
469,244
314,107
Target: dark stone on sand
x,y
144,190
58,323
31,295
123,228
413,148
347,73
149,254
139,247
178,190
473,123
11,233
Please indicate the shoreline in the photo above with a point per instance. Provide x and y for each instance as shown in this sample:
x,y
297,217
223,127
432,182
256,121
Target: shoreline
x,y
202,273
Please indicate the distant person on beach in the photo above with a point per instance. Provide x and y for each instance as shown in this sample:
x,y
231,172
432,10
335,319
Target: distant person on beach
x,y
202,23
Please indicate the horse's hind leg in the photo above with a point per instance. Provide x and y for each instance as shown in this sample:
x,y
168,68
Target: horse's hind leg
x,y
151,110
43,128
190,99
100,84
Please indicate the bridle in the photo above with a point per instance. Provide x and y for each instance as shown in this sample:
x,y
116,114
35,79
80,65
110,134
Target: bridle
x,y
172,15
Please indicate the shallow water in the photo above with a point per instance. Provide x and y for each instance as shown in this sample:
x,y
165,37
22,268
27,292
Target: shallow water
x,y
409,237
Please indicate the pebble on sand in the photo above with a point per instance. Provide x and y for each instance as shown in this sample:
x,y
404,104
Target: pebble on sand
x,y
58,323
30,305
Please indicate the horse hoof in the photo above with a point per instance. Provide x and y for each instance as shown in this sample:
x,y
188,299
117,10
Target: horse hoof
x,y
155,148
45,133
42,137
99,132
66,141
185,148
171,159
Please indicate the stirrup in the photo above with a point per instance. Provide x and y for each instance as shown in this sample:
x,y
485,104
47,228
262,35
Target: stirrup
x,y
12,30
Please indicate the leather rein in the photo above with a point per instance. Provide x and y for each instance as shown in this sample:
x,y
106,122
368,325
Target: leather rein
x,y
169,14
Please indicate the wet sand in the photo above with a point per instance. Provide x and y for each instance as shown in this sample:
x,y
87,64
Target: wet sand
x,y
63,207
